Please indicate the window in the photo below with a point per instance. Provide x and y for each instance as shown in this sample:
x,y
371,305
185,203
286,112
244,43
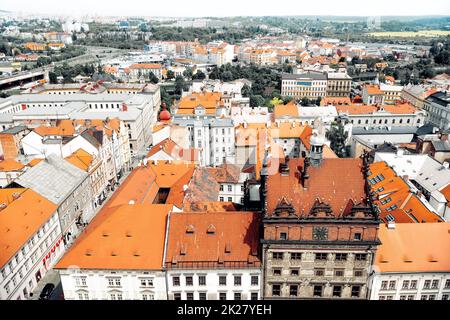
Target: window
x,y
358,273
405,284
276,290
427,284
189,281
277,255
221,187
423,297
318,289
435,284
202,295
237,280
341,256
283,235
189,296
276,272
237,296
357,236
337,291
230,199
230,188
296,256
294,272
392,285
222,280
147,282
177,296
222,296
321,256
410,297
431,297
254,280
221,199
339,272
413,284
447,284
176,281
444,297
356,290
293,290
254,296
202,280
319,272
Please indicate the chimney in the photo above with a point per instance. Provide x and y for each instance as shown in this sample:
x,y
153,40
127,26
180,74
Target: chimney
x,y
304,174
284,167
443,136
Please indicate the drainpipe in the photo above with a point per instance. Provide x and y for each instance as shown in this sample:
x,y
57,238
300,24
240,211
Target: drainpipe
x,y
166,241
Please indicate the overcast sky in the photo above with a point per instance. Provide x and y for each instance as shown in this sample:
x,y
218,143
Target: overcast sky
x,y
201,8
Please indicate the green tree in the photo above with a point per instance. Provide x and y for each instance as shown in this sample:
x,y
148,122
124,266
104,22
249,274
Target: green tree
x,y
337,136
179,85
152,78
188,73
257,101
170,75
199,75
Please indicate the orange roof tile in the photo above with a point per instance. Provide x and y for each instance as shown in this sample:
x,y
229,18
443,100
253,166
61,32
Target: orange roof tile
x,y
288,110
373,89
10,165
213,239
338,183
81,159
20,220
145,66
414,247
126,237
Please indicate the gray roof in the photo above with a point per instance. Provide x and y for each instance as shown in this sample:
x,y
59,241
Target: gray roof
x,y
15,129
310,75
384,130
439,145
54,178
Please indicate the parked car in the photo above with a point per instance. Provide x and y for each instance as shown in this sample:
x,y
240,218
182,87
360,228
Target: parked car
x,y
47,291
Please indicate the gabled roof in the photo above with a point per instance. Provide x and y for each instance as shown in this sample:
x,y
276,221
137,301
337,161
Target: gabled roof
x,y
25,212
125,237
213,239
53,178
414,247
337,183
81,159
10,165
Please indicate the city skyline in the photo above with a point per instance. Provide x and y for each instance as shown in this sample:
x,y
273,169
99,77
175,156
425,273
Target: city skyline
x,y
202,8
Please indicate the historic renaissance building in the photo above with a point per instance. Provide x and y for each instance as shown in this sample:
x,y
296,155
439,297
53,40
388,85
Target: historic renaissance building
x,y
320,228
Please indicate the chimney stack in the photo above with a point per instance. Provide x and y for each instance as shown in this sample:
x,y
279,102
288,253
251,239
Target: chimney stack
x,y
304,174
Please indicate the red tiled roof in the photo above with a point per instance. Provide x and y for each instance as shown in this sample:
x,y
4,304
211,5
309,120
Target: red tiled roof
x,y
212,239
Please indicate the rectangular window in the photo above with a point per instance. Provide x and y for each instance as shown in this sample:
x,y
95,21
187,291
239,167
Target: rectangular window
x,y
339,272
237,296
177,296
296,256
222,280
294,272
202,295
254,296
293,290
318,289
255,280
356,290
413,284
277,255
405,284
176,281
435,284
189,281
189,296
341,257
202,280
392,285
358,273
337,291
276,290
237,280
222,296
319,272
427,284
321,256
447,284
